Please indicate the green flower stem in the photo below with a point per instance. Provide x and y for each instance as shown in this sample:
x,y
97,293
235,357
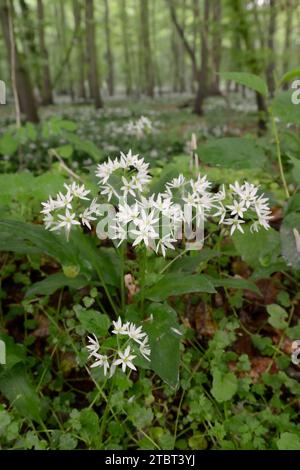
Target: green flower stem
x,y
122,285
106,413
107,293
278,153
143,269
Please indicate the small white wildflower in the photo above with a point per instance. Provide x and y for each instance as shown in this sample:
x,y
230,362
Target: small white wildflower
x,y
120,328
235,223
125,359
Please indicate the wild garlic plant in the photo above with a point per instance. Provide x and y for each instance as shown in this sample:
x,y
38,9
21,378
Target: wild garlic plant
x,y
149,221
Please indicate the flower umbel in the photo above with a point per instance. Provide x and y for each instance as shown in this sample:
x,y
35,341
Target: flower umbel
x,y
130,341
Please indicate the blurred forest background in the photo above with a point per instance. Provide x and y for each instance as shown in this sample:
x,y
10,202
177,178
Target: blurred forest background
x,y
93,50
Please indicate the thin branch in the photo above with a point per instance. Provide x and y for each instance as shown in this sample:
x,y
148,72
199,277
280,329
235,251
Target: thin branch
x,y
181,33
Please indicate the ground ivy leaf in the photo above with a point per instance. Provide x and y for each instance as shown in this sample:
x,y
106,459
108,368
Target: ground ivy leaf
x,y
224,385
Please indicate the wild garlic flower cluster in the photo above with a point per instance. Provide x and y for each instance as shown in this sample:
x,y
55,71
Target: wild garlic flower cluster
x,y
245,205
131,340
140,128
67,209
155,220
132,172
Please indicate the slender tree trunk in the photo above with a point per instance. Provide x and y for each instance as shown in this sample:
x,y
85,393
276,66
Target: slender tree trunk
x,y
175,59
64,36
23,84
252,62
127,59
287,37
92,54
148,70
156,70
29,42
196,22
203,75
80,59
46,85
216,42
181,52
271,50
109,54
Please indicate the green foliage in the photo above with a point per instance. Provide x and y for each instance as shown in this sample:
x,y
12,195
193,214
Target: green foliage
x,y
233,152
254,82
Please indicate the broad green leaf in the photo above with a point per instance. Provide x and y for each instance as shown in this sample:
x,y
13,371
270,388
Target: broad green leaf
x,y
235,283
175,284
192,262
86,146
21,237
8,144
290,75
17,387
290,240
233,152
65,151
14,353
259,248
277,316
224,385
54,282
284,109
92,321
164,340
254,82
90,427
296,168
288,441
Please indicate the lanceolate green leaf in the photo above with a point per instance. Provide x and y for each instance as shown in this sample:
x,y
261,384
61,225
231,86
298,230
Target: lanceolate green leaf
x,y
176,284
295,73
164,339
53,282
254,82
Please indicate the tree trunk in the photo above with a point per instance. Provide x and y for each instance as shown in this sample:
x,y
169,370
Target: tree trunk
x,y
196,22
271,52
46,85
203,75
174,59
80,59
181,52
252,62
29,41
287,37
147,61
92,54
23,84
127,59
216,42
109,55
